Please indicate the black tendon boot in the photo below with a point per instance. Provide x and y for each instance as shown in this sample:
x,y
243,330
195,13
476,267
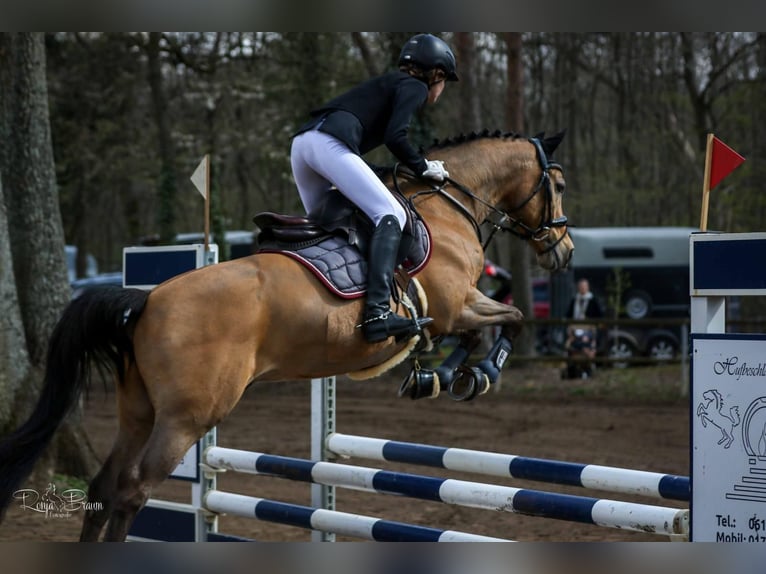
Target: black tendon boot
x,y
379,321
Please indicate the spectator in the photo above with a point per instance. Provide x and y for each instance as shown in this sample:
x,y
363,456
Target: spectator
x,y
582,337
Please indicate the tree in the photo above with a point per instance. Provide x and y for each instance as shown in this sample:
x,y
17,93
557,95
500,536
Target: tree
x,y
519,252
14,359
168,189
636,106
465,53
35,240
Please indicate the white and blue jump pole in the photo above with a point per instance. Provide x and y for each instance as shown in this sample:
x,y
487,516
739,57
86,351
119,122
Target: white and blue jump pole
x,y
600,512
592,476
343,523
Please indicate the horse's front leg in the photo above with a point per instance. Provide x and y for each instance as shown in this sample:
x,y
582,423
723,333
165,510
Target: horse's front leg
x,y
428,383
461,382
481,311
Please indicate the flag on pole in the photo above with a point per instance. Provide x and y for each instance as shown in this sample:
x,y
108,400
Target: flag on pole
x,y
720,161
201,180
199,177
723,161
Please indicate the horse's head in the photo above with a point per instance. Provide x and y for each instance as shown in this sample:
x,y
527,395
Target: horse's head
x,y
533,204
512,182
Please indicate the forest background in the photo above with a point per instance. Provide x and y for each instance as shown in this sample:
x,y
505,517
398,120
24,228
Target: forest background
x,y
132,114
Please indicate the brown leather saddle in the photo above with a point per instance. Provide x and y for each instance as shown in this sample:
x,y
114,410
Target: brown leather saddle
x,y
333,240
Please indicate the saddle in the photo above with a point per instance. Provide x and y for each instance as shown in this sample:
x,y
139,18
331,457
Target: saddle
x,y
333,242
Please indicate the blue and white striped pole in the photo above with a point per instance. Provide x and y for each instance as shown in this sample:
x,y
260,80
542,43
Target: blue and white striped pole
x,y
606,478
343,523
602,512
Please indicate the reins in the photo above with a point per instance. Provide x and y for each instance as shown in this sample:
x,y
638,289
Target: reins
x,y
516,226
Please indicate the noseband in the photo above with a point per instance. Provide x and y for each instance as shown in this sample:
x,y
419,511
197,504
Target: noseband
x,y
505,221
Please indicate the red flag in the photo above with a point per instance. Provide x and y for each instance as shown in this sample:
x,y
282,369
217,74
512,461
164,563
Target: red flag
x,y
723,161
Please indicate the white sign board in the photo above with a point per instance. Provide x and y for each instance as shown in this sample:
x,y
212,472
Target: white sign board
x,y
188,468
728,429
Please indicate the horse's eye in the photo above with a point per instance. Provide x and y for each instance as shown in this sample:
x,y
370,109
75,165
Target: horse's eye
x,y
560,187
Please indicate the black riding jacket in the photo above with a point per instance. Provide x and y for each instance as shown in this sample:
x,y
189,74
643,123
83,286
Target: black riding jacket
x,y
377,111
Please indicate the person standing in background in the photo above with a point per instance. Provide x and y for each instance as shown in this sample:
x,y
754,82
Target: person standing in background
x,y
581,338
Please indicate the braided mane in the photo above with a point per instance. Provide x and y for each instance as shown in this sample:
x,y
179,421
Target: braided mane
x,y
462,138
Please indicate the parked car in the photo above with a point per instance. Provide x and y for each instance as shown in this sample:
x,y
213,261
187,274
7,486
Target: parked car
x,y
541,305
91,266
241,242
661,344
496,283
653,265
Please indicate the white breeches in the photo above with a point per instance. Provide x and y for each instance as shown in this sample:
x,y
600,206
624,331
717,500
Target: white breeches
x,y
320,160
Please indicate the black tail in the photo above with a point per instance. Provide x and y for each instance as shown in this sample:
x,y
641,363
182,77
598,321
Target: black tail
x,y
92,331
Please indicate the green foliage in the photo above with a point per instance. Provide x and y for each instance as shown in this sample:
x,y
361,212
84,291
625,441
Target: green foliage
x,y
634,153
616,285
65,481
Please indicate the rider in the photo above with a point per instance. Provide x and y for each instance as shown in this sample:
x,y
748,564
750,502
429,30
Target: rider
x,y
327,151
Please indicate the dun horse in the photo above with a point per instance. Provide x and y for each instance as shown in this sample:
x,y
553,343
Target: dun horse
x,y
184,353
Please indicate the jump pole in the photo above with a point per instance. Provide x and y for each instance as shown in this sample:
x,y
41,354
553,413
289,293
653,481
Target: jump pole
x,y
591,476
673,522
323,520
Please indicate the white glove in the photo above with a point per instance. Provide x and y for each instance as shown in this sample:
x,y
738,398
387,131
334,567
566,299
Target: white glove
x,y
435,170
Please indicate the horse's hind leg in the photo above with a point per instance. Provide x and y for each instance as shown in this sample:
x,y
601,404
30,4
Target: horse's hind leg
x,y
168,443
136,418
104,485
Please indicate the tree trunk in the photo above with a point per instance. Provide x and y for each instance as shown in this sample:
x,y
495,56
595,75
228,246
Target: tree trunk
x,y
519,252
168,188
14,360
470,116
35,232
364,49
31,197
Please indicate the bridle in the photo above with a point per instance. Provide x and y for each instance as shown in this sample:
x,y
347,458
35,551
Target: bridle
x,y
504,220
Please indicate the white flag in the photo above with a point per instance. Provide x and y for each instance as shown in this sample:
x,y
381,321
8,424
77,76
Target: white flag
x,y
199,177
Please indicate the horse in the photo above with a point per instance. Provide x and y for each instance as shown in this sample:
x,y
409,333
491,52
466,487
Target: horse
x,y
183,353
713,411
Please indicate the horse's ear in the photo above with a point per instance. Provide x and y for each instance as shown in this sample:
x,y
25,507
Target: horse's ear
x,y
551,143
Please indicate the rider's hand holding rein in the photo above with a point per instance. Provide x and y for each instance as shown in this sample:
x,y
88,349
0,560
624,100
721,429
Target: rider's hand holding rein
x,y
435,170
435,79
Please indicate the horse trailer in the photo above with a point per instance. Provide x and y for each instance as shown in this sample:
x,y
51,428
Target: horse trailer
x,y
636,273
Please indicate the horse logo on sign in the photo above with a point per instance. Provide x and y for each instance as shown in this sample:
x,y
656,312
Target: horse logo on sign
x,y
713,411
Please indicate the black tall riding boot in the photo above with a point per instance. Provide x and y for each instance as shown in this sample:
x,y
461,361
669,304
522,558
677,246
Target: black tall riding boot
x,y
379,321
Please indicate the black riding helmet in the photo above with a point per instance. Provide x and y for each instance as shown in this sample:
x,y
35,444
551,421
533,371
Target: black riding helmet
x,y
429,52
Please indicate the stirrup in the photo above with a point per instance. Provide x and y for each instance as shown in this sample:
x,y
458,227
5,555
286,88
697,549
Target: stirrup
x,y
378,328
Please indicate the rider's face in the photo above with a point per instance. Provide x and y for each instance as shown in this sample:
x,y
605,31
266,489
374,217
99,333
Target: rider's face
x,y
435,91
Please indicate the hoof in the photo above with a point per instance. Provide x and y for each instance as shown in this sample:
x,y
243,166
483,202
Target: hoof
x,y
420,384
469,383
